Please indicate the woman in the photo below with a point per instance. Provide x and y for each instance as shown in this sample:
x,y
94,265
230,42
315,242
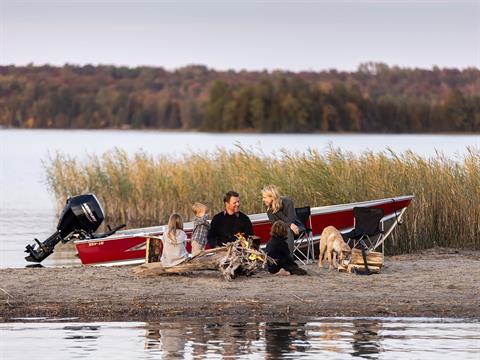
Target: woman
x,y
174,240
280,208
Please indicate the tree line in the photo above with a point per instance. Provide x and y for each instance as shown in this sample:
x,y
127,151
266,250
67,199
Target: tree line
x,y
374,98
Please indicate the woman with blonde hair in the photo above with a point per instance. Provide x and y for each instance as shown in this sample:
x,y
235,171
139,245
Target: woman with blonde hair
x,y
174,240
280,208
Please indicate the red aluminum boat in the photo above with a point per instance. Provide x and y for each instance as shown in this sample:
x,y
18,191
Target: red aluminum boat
x,y
128,247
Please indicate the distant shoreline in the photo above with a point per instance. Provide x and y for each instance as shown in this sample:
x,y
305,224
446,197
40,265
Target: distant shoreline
x,y
239,132
374,98
433,283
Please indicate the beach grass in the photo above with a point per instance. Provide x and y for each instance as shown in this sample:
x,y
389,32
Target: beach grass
x,y
143,190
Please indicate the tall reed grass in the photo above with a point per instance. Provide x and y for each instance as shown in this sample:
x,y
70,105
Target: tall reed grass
x,y
143,190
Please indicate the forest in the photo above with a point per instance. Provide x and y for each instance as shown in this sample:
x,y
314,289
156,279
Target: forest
x,y
375,98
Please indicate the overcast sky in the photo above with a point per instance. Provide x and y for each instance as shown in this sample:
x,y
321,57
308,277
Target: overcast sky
x,y
252,35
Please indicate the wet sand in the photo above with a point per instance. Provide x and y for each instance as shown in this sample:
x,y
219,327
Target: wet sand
x,y
432,283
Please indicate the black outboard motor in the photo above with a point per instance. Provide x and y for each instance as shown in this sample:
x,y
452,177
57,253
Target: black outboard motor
x,y
81,216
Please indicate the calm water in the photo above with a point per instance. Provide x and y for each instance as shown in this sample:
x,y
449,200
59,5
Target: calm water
x,y
325,338
27,208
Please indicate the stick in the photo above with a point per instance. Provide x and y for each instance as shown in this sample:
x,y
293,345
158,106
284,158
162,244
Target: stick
x,y
6,292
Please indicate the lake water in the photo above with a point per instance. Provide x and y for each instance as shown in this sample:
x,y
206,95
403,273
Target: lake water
x,y
323,338
27,209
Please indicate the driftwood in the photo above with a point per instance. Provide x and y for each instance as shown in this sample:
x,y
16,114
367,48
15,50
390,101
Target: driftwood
x,y
374,261
373,269
232,260
373,258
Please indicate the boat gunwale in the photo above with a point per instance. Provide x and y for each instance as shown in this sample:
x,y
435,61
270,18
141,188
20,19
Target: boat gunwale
x,y
255,218
141,260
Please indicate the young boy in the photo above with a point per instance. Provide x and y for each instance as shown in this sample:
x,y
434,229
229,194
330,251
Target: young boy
x,y
200,227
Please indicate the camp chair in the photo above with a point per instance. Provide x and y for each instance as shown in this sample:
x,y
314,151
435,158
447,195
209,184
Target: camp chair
x,y
303,249
368,230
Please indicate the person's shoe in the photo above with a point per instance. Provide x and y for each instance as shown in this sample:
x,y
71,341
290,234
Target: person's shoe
x,y
298,271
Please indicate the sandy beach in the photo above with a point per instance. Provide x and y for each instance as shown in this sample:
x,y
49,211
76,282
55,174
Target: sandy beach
x,y
433,283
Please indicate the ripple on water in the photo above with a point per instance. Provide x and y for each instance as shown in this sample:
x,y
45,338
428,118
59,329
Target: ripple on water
x,y
332,338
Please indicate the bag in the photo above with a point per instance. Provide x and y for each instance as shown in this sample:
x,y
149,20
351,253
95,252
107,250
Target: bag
x,y
300,225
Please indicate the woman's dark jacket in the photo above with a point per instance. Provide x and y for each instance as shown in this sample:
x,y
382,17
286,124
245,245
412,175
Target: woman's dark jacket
x,y
286,213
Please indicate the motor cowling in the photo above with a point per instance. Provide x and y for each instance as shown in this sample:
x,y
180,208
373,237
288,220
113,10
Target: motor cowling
x,y
80,218
81,212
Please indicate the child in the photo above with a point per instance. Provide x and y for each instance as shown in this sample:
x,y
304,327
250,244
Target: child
x,y
174,239
200,227
277,249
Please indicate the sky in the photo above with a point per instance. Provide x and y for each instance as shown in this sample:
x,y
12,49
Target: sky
x,y
241,35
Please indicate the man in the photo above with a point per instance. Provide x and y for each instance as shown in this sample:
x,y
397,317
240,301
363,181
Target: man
x,y
229,222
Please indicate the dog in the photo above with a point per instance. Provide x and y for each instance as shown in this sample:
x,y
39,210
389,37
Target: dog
x,y
332,247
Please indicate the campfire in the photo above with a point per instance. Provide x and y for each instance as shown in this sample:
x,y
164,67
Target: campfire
x,y
234,259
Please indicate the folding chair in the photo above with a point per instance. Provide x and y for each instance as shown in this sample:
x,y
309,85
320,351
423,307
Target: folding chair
x,y
303,249
368,232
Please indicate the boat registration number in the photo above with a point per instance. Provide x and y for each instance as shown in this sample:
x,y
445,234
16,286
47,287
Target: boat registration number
x,y
95,243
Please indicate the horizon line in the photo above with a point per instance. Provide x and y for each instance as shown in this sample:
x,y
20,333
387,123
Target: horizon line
x,y
269,70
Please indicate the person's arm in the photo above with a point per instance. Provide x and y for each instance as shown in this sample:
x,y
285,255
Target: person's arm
x,y
286,213
212,235
271,217
182,236
272,251
248,226
289,213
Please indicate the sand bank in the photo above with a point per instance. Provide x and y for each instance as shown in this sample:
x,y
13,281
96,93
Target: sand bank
x,y
433,283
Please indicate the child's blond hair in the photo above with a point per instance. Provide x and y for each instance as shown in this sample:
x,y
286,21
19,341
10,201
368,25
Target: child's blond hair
x,y
198,207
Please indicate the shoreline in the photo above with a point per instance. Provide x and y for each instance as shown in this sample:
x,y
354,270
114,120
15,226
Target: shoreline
x,y
249,131
433,283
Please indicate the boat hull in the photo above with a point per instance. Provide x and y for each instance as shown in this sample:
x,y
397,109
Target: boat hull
x,y
129,246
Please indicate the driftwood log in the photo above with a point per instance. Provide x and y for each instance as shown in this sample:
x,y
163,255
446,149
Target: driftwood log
x,y
373,258
373,269
231,260
374,261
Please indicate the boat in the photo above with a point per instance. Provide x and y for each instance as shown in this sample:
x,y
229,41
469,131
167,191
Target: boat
x,y
128,247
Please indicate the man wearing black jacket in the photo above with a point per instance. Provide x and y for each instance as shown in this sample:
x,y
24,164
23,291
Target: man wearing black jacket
x,y
229,222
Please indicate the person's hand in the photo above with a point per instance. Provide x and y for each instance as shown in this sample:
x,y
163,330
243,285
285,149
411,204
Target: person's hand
x,y
294,228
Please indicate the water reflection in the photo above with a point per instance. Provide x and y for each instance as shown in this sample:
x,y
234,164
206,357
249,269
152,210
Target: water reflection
x,y
332,338
170,339
277,340
367,339
284,338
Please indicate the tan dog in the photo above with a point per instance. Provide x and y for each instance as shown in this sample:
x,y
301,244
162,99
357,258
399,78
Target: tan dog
x,y
332,246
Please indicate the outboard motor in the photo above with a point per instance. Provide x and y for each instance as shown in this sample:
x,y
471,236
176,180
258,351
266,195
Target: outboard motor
x,y
81,216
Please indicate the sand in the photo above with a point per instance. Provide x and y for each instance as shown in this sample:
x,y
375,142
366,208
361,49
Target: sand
x,y
433,283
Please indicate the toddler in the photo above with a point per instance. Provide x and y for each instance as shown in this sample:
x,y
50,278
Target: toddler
x,y
200,227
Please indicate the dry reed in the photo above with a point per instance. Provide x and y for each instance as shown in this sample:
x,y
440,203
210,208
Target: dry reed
x,y
143,190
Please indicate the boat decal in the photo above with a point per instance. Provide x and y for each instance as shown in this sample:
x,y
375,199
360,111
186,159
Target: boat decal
x,y
95,243
86,209
141,246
